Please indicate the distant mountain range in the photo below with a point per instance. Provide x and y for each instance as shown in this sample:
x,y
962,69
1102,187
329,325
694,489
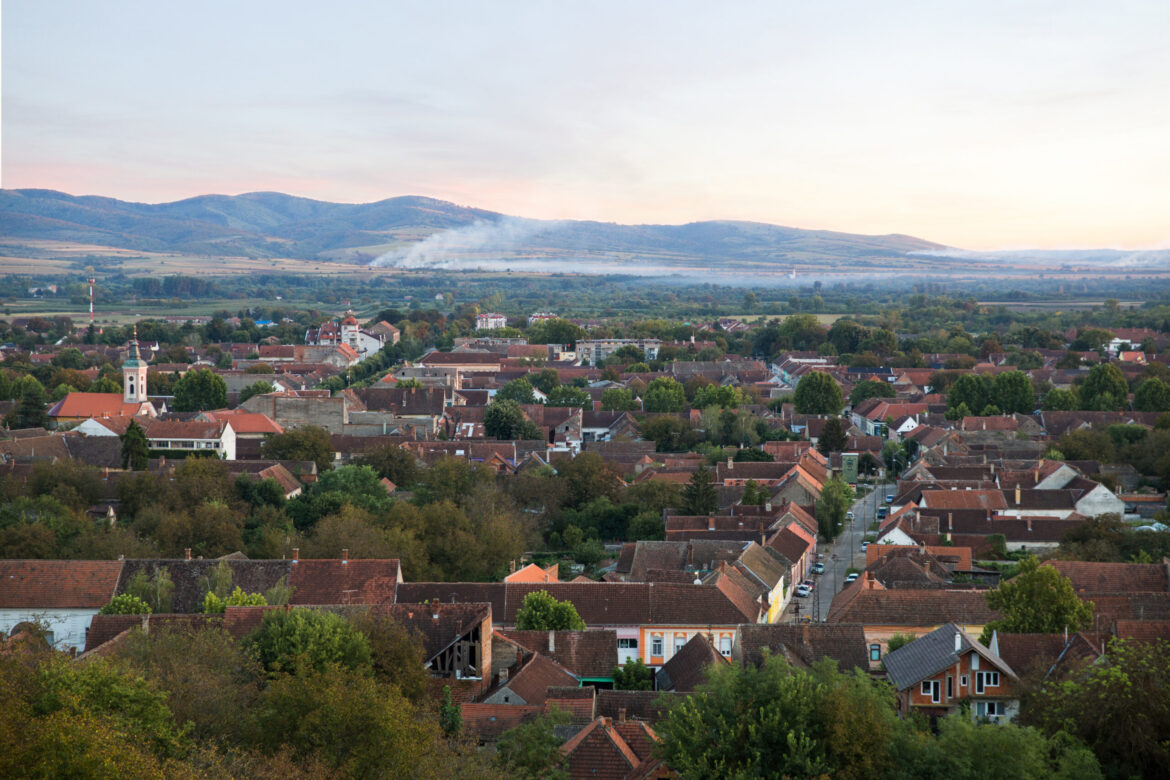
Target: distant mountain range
x,y
418,232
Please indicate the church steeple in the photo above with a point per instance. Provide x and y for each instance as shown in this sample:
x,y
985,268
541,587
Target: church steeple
x,y
134,374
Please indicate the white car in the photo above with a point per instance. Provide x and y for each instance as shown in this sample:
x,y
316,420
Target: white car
x,y
802,591
848,515
850,577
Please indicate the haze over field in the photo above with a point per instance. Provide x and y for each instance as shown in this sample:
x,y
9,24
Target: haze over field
x,y
982,126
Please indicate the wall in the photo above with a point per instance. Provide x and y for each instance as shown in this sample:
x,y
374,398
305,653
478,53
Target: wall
x,y
68,625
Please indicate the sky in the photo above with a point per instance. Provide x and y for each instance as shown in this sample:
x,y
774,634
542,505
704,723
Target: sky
x,y
981,125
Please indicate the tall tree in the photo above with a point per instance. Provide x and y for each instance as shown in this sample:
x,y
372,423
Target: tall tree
x,y
1153,395
542,612
1013,393
1038,600
699,496
135,450
869,388
306,442
836,498
664,395
618,399
818,393
1105,389
200,390
833,436
518,390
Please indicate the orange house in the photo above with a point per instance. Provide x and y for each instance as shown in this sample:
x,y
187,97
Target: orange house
x,y
939,673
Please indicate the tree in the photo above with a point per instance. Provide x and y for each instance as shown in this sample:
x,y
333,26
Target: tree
x,y
393,463
722,396
1013,393
200,390
450,716
836,498
542,612
289,641
1105,389
155,589
1153,395
125,604
135,449
1060,400
306,442
618,399
664,395
1119,707
569,396
518,390
30,412
532,751
899,640
633,675
818,393
755,494
256,388
971,391
1038,600
505,420
869,388
833,436
213,604
699,496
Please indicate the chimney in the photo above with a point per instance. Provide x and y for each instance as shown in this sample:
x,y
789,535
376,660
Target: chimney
x,y
345,555
804,634
711,522
1017,494
296,554
1036,474
552,642
1029,524
767,506
958,641
187,553
950,521
622,710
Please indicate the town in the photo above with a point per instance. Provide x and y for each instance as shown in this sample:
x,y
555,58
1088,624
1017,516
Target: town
x,y
564,544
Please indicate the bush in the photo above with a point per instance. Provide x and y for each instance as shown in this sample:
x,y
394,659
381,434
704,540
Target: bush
x,y
125,604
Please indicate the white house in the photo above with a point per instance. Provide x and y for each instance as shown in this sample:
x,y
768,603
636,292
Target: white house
x,y
490,321
182,436
63,596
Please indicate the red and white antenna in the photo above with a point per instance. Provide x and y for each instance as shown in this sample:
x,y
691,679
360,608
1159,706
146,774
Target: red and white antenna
x,y
92,281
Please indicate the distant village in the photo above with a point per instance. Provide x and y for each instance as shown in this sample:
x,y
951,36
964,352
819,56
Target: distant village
x,y
817,509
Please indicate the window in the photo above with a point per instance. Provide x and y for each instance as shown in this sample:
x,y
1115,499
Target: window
x,y
875,652
628,644
950,687
986,679
725,646
656,646
679,641
932,689
963,681
990,709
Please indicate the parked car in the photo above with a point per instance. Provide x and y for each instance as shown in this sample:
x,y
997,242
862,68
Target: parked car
x,y
809,584
882,511
889,498
848,515
850,577
803,591
864,546
818,568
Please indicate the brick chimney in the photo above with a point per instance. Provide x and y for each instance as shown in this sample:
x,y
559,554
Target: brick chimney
x,y
621,714
710,522
296,554
1017,494
730,464
187,553
345,555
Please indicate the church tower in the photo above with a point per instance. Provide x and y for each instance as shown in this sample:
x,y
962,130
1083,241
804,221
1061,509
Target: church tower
x,y
134,374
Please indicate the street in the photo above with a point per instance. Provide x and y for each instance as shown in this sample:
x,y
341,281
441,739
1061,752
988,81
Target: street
x,y
839,556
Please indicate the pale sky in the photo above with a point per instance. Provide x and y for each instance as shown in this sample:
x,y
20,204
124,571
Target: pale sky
x,y
981,125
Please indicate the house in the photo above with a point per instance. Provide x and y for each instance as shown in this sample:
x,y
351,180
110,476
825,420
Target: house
x,y
616,750
490,321
597,350
530,683
938,673
64,595
804,644
182,437
687,669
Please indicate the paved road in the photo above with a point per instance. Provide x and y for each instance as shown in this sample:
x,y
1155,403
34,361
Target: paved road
x,y
839,556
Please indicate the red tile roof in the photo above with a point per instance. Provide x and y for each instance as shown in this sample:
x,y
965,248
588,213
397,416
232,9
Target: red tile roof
x,y
57,584
333,581
1093,577
883,607
492,720
95,405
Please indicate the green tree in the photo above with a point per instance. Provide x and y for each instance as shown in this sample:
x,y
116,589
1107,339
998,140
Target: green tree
x,y
633,675
1105,389
1119,707
664,395
256,388
836,498
532,751
288,641
518,390
1038,600
1012,391
125,604
450,716
899,640
722,396
870,388
135,449
618,399
569,396
1060,400
699,496
156,589
542,612
1153,395
200,390
972,391
30,411
306,442
213,604
833,436
505,420
818,393
392,462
